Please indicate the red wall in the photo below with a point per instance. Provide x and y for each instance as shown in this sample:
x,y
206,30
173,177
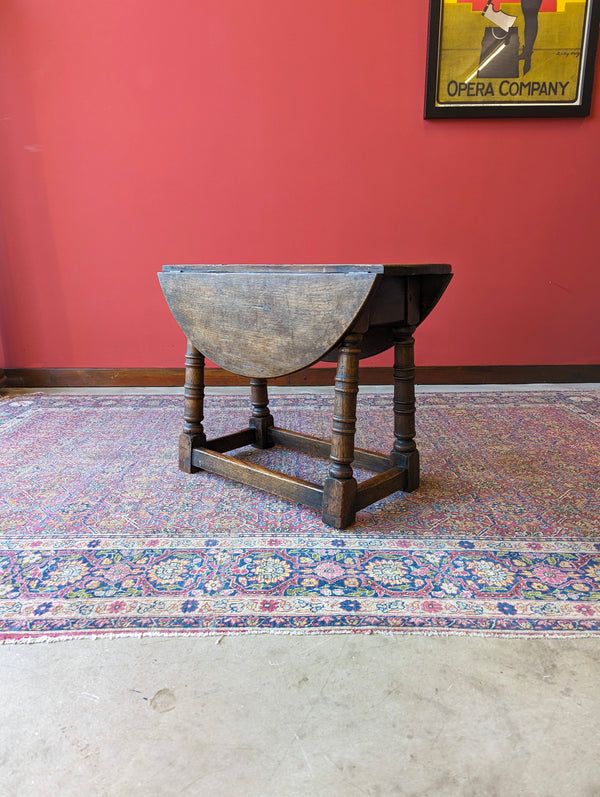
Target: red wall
x,y
140,132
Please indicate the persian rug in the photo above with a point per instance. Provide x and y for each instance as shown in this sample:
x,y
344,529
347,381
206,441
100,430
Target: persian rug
x,y
100,533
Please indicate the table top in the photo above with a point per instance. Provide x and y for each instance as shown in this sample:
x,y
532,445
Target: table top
x,y
271,320
388,269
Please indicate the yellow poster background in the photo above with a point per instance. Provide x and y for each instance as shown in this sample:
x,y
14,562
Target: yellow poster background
x,y
556,59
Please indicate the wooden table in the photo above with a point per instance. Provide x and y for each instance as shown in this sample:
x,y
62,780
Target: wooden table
x,y
268,321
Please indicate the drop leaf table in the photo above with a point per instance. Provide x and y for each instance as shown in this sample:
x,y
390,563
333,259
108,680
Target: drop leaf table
x,y
267,321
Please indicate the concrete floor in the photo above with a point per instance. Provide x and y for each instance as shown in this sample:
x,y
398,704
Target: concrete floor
x,y
279,716
322,715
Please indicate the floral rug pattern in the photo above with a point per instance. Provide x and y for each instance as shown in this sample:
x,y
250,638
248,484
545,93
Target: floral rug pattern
x,y
100,533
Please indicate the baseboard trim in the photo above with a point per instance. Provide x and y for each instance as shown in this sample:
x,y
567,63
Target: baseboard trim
x,y
217,377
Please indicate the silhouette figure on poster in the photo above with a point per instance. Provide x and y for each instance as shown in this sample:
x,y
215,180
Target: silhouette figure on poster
x,y
530,9
500,55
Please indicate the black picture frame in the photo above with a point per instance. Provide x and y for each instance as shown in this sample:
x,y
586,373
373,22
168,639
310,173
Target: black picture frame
x,y
482,64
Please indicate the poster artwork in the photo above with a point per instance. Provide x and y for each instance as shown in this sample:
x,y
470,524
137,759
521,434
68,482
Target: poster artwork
x,y
489,57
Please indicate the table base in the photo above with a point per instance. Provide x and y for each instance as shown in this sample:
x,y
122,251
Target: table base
x,y
340,497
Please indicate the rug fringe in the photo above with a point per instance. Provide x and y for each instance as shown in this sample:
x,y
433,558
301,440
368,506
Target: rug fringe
x,y
221,634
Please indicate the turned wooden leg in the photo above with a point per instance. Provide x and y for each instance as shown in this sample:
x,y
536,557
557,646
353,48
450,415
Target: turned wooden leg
x,y
193,409
339,490
261,419
404,453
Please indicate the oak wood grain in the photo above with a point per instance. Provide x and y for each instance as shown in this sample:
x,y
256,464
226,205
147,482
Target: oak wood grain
x,y
314,446
265,324
288,487
380,486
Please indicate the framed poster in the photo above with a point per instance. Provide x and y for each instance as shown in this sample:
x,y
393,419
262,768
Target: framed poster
x,y
496,58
